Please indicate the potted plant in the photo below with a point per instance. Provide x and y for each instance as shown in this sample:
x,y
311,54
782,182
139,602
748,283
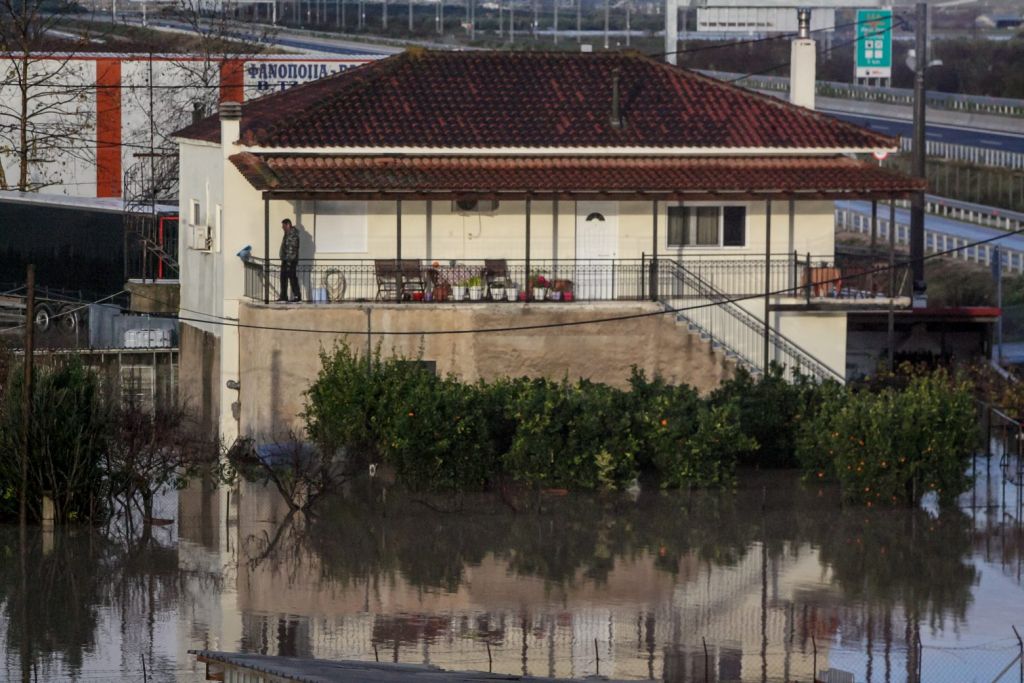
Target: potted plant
x,y
497,292
459,290
476,288
512,292
442,292
539,284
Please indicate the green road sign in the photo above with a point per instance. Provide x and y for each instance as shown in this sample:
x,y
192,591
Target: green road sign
x,y
874,43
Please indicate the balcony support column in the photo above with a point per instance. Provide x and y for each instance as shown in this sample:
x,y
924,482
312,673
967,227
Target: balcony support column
x,y
398,247
266,251
526,284
654,251
767,280
891,322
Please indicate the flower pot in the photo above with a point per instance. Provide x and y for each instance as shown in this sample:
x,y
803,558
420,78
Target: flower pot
x,y
522,296
511,293
567,296
417,296
476,293
555,296
458,293
442,292
497,293
539,293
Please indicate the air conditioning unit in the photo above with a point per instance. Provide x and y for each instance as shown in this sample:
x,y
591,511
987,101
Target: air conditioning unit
x,y
202,237
475,205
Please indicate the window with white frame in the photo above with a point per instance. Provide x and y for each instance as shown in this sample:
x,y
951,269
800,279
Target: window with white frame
x,y
707,226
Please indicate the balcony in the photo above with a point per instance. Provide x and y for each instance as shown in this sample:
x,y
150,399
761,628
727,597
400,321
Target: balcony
x,y
798,281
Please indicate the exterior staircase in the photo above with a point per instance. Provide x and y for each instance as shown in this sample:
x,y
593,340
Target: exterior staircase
x,y
147,184
731,329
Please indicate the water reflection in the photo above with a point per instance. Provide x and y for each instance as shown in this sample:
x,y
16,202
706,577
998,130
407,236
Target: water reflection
x,y
776,579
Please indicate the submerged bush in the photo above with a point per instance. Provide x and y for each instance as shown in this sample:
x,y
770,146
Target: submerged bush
x,y
443,434
893,446
769,409
570,436
69,439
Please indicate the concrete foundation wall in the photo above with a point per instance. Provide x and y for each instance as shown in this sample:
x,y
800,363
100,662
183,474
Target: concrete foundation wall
x,y
277,366
199,388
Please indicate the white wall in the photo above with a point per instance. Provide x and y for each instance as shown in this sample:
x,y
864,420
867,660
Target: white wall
x,y
501,234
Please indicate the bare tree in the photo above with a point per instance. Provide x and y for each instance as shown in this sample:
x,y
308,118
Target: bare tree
x,y
44,94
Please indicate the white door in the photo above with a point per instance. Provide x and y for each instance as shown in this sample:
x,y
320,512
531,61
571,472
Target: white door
x,y
597,247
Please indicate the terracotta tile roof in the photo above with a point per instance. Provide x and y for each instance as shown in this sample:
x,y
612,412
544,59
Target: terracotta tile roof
x,y
426,99
827,176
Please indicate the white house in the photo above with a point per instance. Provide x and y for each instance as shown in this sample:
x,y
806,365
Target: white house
x,y
636,213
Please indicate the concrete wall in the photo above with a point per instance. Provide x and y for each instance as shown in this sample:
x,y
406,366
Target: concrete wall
x,y
149,297
276,366
199,388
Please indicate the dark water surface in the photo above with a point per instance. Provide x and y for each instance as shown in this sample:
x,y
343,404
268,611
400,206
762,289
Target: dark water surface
x,y
629,586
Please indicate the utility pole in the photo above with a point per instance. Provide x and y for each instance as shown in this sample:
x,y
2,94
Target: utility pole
x,y
671,31
26,395
556,21
579,21
918,170
607,10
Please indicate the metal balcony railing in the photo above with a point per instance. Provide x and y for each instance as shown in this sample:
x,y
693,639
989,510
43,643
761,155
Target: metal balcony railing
x,y
727,325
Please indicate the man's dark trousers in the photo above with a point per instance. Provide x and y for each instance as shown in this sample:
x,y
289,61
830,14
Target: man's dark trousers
x,y
290,279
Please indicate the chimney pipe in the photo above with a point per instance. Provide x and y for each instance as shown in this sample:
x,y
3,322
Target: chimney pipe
x,y
803,66
616,117
803,19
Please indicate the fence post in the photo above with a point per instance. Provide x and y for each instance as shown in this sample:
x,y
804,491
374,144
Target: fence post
x,y
643,274
814,644
1020,644
705,642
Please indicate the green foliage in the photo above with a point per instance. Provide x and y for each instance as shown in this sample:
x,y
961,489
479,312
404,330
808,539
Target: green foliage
x,y
571,436
439,436
768,409
69,438
892,446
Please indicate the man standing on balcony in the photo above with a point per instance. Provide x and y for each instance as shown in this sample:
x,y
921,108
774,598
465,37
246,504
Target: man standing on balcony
x,y
289,262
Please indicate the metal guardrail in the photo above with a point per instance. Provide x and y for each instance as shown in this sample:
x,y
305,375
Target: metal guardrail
x,y
982,156
340,280
854,219
974,104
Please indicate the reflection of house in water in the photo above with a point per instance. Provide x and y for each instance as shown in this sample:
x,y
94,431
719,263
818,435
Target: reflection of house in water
x,y
752,613
207,556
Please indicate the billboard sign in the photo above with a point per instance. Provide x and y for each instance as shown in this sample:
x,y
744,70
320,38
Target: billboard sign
x,y
874,43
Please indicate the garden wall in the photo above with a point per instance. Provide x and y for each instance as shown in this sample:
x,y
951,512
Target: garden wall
x,y
276,365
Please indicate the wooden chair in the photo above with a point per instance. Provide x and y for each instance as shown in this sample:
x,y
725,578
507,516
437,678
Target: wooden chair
x,y
412,276
387,272
496,272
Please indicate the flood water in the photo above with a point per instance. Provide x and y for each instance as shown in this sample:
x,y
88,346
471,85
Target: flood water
x,y
630,587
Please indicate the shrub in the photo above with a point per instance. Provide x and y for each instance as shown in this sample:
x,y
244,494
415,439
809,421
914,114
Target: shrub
x,y
438,436
893,446
769,410
68,440
352,399
570,436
